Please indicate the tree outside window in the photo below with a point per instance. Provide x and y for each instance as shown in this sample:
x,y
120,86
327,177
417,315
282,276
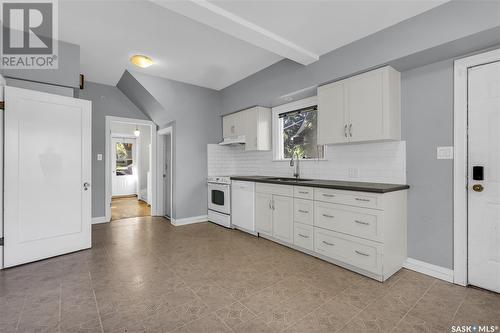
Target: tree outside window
x,y
300,133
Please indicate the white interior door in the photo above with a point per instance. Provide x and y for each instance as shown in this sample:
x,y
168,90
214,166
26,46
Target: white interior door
x,y
124,166
47,201
484,195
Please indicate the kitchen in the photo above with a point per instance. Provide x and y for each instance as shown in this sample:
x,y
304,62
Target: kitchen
x,y
304,166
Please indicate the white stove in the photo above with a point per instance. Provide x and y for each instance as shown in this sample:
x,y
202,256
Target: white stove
x,y
219,200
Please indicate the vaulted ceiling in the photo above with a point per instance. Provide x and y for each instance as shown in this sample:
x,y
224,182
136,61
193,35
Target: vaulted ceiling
x,y
217,43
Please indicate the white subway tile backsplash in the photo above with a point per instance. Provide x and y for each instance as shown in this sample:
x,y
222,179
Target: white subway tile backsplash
x,y
383,162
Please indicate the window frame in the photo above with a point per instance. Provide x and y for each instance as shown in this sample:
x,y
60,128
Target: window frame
x,y
277,127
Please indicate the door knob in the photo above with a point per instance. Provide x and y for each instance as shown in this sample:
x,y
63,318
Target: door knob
x,y
477,188
86,186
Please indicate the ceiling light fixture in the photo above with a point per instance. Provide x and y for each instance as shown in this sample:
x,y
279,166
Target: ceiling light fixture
x,y
137,132
141,60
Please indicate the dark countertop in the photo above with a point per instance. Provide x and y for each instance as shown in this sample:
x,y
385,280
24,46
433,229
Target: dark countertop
x,y
332,184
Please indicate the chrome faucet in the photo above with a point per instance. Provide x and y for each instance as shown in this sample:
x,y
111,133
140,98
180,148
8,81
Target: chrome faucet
x,y
296,172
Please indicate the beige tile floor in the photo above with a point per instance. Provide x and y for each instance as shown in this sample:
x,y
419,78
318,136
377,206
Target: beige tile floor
x,y
144,275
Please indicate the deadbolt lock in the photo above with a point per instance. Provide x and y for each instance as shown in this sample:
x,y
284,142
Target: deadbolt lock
x,y
477,188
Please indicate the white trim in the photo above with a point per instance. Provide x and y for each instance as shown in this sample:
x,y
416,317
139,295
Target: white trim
x,y
276,126
189,220
438,272
208,13
161,160
107,164
460,240
98,220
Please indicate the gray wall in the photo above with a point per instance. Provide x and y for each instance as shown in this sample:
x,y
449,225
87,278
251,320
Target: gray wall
x,y
67,75
450,23
427,122
106,101
194,110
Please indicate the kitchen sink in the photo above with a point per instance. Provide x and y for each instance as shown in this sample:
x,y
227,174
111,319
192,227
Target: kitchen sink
x,y
284,179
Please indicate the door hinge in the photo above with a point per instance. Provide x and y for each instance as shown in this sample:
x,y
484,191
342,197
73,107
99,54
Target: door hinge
x,y
1,241
2,105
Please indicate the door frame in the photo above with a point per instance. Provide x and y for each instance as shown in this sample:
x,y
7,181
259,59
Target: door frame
x,y
460,163
107,162
161,161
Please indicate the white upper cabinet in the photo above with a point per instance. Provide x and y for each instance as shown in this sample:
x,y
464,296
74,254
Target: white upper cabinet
x,y
332,117
253,123
363,108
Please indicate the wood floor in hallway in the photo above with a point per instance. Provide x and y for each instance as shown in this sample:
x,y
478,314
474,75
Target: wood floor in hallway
x,y
125,207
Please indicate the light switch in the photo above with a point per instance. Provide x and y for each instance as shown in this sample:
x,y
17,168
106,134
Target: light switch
x,y
99,157
445,153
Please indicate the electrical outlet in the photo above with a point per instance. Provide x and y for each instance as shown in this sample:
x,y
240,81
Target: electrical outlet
x,y
99,157
353,172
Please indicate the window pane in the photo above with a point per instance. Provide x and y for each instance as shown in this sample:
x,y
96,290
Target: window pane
x,y
300,135
124,159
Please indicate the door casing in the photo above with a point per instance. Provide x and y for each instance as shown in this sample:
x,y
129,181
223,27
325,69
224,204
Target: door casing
x,y
107,162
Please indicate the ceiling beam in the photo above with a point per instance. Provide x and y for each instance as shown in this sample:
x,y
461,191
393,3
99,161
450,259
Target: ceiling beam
x,y
218,18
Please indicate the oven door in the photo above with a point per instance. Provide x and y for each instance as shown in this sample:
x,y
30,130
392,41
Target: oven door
x,y
219,198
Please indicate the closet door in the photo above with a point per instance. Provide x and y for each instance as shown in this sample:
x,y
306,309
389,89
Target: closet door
x,y
47,206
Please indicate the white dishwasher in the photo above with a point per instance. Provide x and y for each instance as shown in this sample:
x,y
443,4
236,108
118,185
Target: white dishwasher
x,y
243,205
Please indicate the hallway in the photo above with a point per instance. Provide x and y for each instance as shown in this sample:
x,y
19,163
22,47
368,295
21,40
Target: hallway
x,y
126,207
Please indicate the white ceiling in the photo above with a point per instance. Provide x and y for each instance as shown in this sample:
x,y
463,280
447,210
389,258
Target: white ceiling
x,y
216,52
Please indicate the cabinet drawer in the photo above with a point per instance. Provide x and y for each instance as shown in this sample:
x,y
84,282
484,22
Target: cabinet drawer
x,y
303,192
303,211
356,252
303,236
359,199
286,190
359,222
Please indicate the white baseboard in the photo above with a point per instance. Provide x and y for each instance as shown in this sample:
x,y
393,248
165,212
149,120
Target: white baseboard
x,y
438,272
100,219
189,220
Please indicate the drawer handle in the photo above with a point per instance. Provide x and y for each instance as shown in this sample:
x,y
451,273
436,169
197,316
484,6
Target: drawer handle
x,y
303,192
329,244
328,195
329,216
303,236
362,253
361,199
303,211
362,222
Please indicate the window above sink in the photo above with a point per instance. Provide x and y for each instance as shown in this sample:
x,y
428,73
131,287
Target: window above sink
x,y
295,131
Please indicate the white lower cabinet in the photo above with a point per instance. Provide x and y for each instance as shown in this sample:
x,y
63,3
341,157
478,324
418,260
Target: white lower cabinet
x,y
364,232
303,236
263,213
348,249
283,218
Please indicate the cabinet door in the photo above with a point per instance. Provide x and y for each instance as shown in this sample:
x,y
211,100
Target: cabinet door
x,y
283,218
249,118
332,120
263,213
365,106
228,126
